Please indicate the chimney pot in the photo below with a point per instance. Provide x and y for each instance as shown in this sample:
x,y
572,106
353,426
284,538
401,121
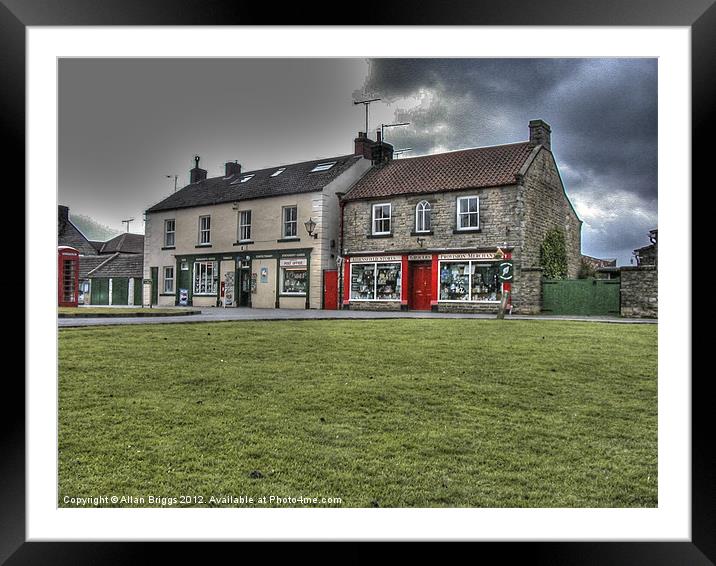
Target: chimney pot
x,y
540,133
197,174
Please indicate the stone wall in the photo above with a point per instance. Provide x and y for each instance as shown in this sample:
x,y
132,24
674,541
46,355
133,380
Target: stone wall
x,y
544,205
639,292
527,290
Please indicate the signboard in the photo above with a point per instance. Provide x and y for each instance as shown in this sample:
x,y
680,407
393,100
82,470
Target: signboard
x,y
374,258
184,266
183,297
253,282
229,289
506,272
420,257
146,281
475,255
264,275
293,262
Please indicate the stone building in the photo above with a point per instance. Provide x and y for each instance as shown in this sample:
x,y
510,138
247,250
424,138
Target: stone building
x,y
265,238
453,231
110,273
648,255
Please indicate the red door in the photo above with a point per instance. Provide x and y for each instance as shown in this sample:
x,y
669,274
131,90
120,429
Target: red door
x,y
330,290
421,287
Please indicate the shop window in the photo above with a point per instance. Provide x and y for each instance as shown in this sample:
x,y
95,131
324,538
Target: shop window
x,y
468,213
204,229
244,225
290,221
169,233
470,281
422,216
375,281
381,219
293,281
168,279
204,278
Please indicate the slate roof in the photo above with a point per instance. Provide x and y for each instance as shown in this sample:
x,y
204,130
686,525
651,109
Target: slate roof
x,y
116,265
69,235
297,178
491,166
126,243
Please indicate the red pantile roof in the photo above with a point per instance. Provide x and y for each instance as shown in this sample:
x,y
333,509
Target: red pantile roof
x,y
469,168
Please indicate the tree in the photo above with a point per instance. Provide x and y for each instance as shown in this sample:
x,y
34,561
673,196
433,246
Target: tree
x,y
553,255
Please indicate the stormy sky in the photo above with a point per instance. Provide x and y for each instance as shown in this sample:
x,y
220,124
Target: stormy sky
x,y
125,124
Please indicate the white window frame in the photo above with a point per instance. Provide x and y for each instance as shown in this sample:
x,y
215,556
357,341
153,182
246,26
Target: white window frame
x,y
469,282
459,215
168,279
214,285
243,225
389,218
285,223
278,172
203,230
375,282
325,166
424,209
167,232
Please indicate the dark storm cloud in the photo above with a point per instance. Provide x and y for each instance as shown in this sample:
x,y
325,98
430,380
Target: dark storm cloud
x,y
603,114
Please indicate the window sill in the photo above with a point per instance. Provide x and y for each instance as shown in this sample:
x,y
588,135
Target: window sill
x,y
428,233
167,294
467,231
292,239
378,236
203,246
298,295
243,242
169,248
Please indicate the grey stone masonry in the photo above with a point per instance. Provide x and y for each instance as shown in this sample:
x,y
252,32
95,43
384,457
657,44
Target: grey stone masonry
x,y
498,209
640,292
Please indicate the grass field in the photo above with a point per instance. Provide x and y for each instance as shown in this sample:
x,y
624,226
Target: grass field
x,y
390,413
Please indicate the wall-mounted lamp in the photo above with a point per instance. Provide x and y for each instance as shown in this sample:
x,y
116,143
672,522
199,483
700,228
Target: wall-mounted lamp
x,y
310,227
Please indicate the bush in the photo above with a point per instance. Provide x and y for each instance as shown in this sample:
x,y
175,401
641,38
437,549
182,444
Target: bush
x,y
553,255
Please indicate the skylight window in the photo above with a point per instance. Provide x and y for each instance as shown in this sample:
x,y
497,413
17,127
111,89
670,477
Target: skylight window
x,y
242,179
278,172
323,166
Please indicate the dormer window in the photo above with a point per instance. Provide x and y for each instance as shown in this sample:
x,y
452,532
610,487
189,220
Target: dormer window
x,y
422,216
323,166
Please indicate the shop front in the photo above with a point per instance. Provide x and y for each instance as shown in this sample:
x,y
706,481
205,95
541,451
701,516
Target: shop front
x,y
444,282
261,279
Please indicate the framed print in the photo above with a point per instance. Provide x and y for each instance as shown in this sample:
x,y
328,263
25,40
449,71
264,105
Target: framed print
x,y
423,241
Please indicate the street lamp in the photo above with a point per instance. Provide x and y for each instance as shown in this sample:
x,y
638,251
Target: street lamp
x,y
310,227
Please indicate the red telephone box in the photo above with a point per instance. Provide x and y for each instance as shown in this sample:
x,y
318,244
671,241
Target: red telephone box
x,y
68,276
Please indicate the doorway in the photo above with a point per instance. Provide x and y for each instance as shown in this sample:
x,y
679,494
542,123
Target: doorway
x,y
330,289
420,286
244,281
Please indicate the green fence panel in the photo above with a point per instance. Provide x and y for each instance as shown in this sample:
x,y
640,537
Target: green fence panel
x,y
588,297
100,291
120,291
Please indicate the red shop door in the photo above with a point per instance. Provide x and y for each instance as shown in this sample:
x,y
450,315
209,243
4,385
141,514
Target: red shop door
x,y
330,290
421,287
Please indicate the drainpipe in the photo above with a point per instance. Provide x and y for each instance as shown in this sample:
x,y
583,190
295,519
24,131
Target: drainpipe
x,y
340,250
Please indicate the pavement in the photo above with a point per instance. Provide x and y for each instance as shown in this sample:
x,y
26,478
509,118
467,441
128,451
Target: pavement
x,y
239,314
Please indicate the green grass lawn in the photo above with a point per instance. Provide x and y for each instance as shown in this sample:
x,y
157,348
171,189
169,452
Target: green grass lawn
x,y
395,413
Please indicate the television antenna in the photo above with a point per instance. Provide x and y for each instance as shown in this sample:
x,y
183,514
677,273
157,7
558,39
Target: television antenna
x,y
128,221
366,103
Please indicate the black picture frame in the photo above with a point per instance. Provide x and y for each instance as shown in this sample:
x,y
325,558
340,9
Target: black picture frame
x,y
16,15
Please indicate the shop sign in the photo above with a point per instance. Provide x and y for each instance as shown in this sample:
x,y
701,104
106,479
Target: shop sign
x,y
374,258
263,256
294,262
146,281
183,297
253,282
264,275
420,257
506,271
229,289
184,266
475,255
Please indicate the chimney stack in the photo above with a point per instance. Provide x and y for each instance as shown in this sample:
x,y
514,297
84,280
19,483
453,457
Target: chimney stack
x,y
540,133
232,168
197,174
362,144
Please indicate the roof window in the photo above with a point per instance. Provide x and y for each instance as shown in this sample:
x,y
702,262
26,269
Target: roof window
x,y
278,172
243,179
323,166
